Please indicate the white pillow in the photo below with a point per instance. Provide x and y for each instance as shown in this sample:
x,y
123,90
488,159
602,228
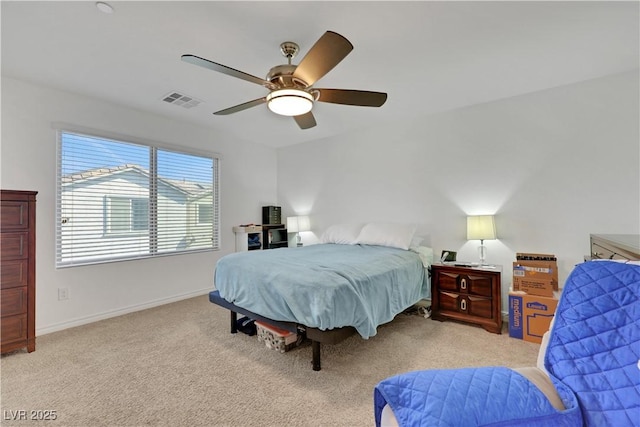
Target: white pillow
x,y
415,242
387,234
426,255
342,234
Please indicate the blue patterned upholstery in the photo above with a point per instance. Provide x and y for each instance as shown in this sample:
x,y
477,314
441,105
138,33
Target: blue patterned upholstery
x,y
592,358
594,348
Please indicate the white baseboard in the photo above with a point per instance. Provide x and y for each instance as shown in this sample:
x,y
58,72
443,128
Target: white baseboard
x,y
119,312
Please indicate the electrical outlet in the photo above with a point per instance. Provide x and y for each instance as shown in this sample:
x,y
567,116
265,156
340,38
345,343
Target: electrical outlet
x,y
63,293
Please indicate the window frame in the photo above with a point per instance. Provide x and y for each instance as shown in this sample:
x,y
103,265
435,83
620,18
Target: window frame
x,y
152,218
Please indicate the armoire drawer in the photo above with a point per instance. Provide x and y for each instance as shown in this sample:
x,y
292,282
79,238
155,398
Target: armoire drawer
x,y
14,214
14,273
14,245
14,301
14,328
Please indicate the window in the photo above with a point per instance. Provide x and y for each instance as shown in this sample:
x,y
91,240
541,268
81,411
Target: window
x,y
126,214
122,200
205,214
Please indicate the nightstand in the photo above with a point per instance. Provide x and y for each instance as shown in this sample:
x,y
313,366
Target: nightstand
x,y
467,294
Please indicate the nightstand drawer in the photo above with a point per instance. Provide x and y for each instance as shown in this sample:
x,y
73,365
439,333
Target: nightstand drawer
x,y
478,306
466,304
473,284
478,285
448,281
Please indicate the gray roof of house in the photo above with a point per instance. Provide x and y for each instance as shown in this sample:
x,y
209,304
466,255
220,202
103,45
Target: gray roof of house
x,y
190,188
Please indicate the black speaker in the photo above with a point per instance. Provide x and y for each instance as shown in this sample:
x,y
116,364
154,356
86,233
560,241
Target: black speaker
x,y
271,215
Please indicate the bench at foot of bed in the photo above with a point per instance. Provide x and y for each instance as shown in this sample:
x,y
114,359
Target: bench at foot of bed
x,y
317,336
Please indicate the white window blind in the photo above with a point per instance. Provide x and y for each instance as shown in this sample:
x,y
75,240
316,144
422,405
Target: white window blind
x,y
120,200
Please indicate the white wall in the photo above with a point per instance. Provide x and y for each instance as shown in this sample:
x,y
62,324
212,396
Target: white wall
x,y
554,166
28,162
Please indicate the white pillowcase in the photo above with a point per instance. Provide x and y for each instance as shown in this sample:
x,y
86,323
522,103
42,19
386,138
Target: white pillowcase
x,y
387,234
342,234
415,242
426,255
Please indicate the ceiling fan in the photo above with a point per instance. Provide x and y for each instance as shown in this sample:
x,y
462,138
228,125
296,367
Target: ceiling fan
x,y
291,91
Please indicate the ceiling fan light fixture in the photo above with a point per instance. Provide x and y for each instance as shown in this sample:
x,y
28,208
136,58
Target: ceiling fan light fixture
x,y
290,102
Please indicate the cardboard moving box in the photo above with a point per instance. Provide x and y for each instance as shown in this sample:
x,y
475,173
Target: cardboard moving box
x,y
530,315
536,274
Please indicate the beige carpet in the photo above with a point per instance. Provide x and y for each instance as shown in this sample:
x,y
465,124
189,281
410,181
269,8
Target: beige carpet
x,y
178,365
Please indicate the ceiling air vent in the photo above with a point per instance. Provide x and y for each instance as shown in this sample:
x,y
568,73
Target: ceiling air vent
x,y
181,100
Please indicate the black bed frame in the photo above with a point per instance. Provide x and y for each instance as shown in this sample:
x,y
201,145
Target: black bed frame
x,y
316,336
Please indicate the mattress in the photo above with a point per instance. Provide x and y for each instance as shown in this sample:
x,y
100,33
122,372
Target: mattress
x,y
324,286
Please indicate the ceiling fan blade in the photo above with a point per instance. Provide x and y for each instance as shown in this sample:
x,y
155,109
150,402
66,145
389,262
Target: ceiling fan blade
x,y
305,121
328,51
361,98
201,62
240,107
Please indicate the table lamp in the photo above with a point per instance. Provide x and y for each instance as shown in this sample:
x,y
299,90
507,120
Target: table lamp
x,y
481,227
296,224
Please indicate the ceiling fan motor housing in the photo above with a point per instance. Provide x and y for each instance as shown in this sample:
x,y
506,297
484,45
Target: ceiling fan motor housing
x,y
282,76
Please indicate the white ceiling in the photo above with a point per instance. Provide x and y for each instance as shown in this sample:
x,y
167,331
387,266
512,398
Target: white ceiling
x,y
428,56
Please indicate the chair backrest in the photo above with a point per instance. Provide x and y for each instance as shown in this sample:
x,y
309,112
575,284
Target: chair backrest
x,y
594,345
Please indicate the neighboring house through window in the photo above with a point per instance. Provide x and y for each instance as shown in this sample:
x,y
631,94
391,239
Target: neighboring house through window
x,y
205,213
124,200
126,214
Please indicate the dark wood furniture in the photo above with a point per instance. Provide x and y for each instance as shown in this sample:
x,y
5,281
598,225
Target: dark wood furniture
x,y
271,215
467,294
274,236
18,270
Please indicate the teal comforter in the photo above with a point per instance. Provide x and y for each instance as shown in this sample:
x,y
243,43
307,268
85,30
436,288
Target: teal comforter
x,y
324,286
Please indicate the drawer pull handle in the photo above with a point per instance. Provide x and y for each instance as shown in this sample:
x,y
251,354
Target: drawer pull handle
x,y
463,305
463,284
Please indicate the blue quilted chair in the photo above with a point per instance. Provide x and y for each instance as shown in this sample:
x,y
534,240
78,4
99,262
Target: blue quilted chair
x,y
590,375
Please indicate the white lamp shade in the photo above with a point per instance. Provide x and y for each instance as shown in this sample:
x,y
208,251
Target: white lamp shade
x,y
481,227
303,223
296,224
292,224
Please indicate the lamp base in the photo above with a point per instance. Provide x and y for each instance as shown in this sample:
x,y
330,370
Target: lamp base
x,y
482,253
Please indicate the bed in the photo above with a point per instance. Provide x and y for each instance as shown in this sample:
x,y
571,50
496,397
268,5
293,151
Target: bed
x,y
329,291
